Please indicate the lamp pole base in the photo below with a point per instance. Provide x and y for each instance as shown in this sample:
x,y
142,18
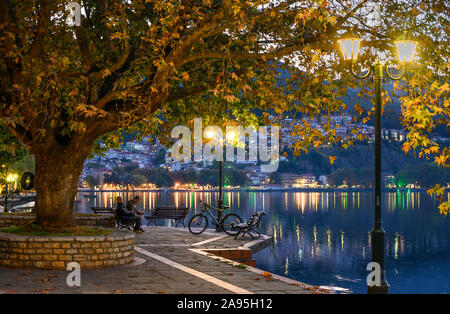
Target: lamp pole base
x,y
382,289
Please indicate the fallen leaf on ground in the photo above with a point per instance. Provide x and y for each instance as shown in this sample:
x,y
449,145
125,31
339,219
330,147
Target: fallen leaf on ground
x,y
267,275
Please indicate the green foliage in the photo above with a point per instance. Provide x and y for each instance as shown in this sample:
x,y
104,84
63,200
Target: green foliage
x,y
93,165
160,158
207,176
138,180
35,230
161,177
348,176
426,175
121,175
183,177
235,177
11,149
92,181
275,178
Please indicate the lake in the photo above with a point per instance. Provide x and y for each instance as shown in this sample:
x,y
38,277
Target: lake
x,y
324,238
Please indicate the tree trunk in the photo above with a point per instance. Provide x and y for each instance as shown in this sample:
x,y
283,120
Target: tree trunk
x,y
56,180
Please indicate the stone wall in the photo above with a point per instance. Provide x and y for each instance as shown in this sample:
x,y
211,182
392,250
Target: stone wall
x,y
88,220
243,256
95,220
55,252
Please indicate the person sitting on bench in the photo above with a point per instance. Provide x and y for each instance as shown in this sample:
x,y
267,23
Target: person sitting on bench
x,y
126,215
132,208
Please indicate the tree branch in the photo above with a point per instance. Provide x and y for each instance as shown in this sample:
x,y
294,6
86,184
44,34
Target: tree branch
x,y
84,46
343,19
44,20
21,133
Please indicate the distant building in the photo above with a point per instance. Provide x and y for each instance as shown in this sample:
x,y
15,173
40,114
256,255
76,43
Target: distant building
x,y
298,181
388,179
323,179
307,180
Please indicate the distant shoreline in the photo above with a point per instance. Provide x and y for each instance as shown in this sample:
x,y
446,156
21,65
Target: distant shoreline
x,y
333,190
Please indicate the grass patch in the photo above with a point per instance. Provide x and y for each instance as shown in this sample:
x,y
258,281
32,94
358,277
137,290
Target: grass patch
x,y
34,214
89,215
17,214
35,230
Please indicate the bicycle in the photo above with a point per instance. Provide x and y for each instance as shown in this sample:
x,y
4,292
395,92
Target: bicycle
x,y
199,222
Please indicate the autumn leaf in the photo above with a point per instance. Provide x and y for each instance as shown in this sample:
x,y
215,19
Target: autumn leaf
x,y
267,275
444,208
73,92
332,159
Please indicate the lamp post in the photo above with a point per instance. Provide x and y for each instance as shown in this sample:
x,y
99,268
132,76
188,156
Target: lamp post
x,y
230,139
349,45
220,200
211,135
9,180
5,207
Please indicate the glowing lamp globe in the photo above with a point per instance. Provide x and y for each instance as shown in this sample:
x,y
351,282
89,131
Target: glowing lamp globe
x,y
349,45
406,47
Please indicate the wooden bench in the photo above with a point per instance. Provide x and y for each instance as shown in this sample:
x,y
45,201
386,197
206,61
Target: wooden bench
x,y
179,214
251,225
102,210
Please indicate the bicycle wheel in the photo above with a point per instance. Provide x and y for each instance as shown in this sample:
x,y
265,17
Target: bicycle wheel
x,y
228,223
198,224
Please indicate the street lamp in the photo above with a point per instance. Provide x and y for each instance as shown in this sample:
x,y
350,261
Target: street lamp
x,y
211,135
10,178
349,45
5,205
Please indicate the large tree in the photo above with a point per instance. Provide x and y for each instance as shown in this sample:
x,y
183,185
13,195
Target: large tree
x,y
151,64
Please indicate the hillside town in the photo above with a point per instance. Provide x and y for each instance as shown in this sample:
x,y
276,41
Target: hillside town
x,y
148,154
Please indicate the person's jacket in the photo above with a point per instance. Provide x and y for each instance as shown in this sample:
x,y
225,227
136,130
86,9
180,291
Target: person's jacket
x,y
130,207
122,211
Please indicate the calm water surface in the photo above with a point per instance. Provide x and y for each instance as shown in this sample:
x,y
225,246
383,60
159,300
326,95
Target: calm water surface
x,y
324,238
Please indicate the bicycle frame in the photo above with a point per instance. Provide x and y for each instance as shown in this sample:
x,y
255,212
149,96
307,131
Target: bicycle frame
x,y
214,220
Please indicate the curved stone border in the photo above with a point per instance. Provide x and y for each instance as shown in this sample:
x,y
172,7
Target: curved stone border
x,y
55,252
89,220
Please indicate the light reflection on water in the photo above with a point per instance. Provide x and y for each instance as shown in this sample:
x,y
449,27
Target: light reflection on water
x,y
324,238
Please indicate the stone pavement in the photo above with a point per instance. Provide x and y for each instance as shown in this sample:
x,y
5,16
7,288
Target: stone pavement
x,y
167,260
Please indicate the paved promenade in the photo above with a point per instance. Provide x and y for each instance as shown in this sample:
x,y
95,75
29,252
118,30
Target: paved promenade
x,y
167,260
